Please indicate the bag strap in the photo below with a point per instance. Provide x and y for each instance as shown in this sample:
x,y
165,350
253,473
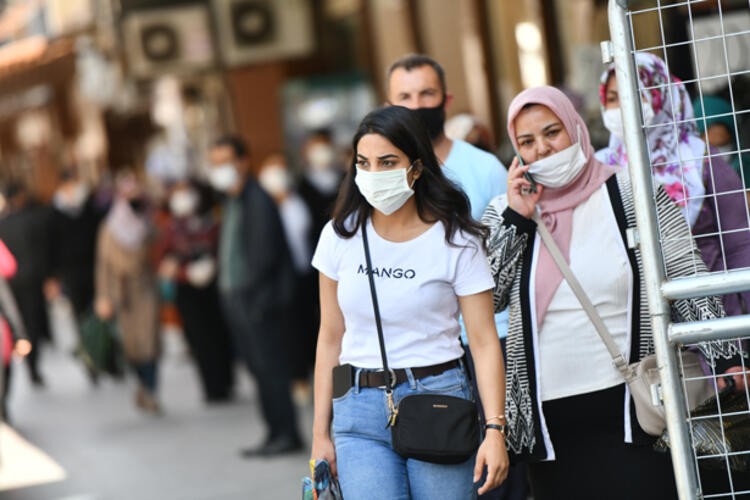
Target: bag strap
x,y
387,374
619,360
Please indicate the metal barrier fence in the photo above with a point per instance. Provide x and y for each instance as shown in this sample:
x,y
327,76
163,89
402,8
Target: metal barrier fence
x,y
717,39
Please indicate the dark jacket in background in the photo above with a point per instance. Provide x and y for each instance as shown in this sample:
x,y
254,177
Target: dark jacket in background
x,y
74,252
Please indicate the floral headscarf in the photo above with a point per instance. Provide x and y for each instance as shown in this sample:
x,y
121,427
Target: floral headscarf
x,y
675,148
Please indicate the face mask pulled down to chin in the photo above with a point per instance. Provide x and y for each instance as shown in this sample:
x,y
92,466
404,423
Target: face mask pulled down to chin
x,y
561,168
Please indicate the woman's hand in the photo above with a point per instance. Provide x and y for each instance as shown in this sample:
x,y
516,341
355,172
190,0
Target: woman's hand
x,y
520,197
493,454
103,308
322,449
22,348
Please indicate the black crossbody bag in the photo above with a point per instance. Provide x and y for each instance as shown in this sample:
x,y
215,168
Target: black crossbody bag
x,y
428,427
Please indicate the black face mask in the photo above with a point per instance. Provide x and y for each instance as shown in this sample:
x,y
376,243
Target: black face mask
x,y
137,205
433,118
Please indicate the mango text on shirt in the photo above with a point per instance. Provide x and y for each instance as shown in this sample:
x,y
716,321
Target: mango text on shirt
x,y
389,272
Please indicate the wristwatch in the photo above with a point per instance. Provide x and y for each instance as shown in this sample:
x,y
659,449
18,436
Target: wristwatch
x,y
498,427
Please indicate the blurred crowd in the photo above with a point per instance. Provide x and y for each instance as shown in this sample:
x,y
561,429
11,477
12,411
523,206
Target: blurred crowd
x,y
221,255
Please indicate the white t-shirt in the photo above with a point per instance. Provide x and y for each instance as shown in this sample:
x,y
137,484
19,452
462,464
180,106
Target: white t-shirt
x,y
573,358
418,283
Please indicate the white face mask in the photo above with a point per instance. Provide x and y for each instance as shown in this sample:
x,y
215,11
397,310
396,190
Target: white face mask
x,y
386,191
183,203
223,177
561,168
612,119
321,156
275,180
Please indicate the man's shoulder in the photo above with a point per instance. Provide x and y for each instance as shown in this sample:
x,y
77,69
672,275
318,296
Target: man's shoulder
x,y
463,152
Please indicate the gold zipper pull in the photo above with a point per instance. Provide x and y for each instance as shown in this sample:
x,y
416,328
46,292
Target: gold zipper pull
x,y
392,411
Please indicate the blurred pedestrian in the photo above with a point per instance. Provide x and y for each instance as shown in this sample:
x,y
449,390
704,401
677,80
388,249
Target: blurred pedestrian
x,y
302,324
13,339
126,288
74,226
256,284
187,256
321,178
24,227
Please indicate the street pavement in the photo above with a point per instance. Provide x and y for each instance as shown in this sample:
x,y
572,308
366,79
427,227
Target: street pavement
x,y
110,451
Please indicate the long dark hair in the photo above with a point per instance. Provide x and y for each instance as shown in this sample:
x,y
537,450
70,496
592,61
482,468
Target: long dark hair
x,y
438,199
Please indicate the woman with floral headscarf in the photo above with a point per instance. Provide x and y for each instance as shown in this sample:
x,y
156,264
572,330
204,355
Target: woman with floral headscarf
x,y
711,193
675,149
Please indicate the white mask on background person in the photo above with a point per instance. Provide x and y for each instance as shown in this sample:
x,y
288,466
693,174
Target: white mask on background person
x,y
726,149
612,119
223,177
183,203
275,180
321,156
561,168
386,191
71,200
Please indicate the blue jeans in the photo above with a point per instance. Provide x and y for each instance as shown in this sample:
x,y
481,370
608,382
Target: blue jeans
x,y
367,465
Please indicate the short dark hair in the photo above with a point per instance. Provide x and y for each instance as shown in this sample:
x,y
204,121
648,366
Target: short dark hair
x,y
411,61
438,199
238,145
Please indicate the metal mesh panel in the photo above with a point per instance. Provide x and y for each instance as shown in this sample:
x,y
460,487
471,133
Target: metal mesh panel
x,y
705,45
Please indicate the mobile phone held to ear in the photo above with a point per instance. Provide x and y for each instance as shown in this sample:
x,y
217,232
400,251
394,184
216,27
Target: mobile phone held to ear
x,y
527,175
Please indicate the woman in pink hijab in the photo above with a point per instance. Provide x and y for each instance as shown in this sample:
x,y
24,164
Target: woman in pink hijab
x,y
567,409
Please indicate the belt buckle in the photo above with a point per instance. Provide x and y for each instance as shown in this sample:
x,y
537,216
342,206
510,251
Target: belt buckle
x,y
393,378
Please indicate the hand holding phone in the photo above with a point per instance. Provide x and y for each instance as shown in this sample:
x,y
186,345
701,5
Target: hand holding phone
x,y
527,175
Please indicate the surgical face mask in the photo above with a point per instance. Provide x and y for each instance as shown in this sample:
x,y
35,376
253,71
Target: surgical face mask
x,y
183,203
725,149
275,180
433,118
561,168
612,119
386,191
321,156
223,177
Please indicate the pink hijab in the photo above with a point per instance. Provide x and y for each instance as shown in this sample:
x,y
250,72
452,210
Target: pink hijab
x,y
557,204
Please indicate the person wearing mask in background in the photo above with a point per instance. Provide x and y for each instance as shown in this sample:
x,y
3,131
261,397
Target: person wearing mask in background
x,y
256,285
417,82
24,227
719,132
126,286
676,158
13,338
187,253
74,226
320,181
723,208
568,410
302,323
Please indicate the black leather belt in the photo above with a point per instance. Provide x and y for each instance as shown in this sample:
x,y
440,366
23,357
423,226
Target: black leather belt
x,y
377,379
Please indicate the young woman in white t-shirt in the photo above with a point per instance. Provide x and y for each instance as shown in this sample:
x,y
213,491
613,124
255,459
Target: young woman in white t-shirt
x,y
429,264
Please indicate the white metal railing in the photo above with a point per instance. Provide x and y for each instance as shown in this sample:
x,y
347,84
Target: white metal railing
x,y
720,45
